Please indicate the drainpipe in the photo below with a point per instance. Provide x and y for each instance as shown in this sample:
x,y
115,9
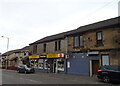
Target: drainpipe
x,y
66,52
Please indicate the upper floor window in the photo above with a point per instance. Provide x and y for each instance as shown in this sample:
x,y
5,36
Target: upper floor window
x,y
81,41
44,47
34,49
99,37
57,45
78,41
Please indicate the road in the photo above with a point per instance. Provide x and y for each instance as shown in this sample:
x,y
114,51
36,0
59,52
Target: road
x,y
12,77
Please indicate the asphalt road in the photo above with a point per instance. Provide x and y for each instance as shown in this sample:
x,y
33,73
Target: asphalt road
x,y
12,77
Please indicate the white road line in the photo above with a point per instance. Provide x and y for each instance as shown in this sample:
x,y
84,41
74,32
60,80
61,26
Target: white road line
x,y
31,80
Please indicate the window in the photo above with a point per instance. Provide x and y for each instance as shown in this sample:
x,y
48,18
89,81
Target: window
x,y
99,37
45,64
40,63
105,60
76,41
35,49
60,64
81,41
57,45
44,50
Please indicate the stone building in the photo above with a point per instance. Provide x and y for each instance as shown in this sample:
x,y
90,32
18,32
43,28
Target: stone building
x,y
79,51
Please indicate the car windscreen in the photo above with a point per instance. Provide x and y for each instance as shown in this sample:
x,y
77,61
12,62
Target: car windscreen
x,y
112,67
26,66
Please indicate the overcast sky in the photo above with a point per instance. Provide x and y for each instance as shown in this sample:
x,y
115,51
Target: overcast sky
x,y
26,21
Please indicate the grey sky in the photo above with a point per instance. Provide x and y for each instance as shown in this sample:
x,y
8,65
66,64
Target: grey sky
x,y
25,21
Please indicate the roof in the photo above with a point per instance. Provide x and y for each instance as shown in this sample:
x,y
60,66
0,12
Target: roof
x,y
16,51
10,52
50,38
102,24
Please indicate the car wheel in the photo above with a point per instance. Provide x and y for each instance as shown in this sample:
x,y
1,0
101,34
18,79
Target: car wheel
x,y
25,72
106,79
18,71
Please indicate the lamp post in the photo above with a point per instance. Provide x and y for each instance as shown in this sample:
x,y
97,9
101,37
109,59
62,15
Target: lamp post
x,y
7,49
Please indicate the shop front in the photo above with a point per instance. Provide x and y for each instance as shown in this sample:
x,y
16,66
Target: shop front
x,y
33,60
54,63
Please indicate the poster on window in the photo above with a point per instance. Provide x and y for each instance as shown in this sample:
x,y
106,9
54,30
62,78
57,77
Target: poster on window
x,y
40,64
60,63
68,64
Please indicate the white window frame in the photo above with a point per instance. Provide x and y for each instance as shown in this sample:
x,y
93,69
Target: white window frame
x,y
105,59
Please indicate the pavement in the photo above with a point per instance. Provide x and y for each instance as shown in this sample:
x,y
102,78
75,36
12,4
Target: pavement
x,y
12,77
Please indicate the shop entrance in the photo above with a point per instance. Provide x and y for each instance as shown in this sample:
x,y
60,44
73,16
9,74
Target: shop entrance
x,y
56,65
52,65
95,66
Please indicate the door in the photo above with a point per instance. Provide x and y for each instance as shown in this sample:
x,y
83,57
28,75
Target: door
x,y
95,66
54,66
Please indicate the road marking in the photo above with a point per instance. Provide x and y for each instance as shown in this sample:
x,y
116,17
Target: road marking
x,y
31,80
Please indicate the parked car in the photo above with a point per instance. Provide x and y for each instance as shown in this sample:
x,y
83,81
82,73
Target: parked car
x,y
109,73
25,69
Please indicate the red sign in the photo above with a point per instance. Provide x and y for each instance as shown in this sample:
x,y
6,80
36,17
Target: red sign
x,y
67,56
61,55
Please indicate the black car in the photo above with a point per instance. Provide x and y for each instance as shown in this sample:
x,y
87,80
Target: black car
x,y
25,69
109,73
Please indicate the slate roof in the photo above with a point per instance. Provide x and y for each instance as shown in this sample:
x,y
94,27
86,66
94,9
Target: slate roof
x,y
102,24
15,51
50,38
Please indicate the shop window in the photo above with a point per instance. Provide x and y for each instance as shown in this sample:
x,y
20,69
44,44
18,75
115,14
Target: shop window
x,y
40,63
32,62
60,64
46,64
105,59
99,38
36,63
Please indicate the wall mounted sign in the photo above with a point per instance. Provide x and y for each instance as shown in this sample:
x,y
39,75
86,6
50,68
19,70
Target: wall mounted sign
x,y
43,56
61,55
55,55
34,57
52,55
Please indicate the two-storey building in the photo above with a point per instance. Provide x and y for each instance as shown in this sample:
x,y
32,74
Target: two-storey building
x,y
80,51
13,58
48,54
94,45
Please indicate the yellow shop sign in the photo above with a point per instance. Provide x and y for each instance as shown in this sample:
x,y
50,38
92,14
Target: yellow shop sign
x,y
52,55
34,57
